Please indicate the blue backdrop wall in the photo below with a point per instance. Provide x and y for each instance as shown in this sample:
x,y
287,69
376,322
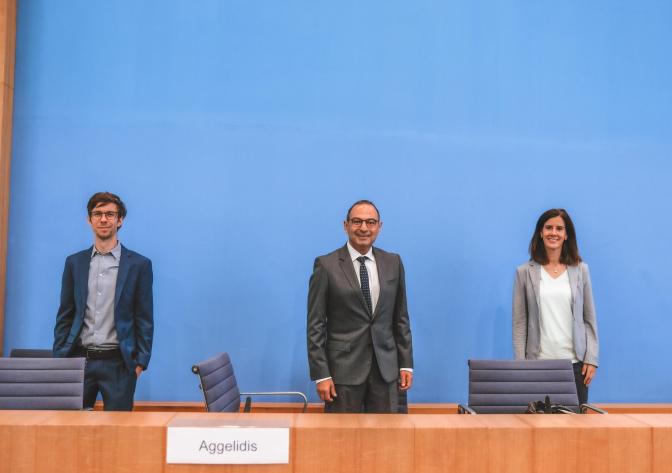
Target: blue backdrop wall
x,y
239,132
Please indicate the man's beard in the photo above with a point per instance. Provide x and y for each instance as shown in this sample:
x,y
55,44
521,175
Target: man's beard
x,y
106,237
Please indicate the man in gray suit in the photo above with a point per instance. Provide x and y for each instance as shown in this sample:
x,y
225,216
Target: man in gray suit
x,y
359,335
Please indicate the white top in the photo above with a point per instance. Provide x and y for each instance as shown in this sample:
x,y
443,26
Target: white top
x,y
371,268
556,319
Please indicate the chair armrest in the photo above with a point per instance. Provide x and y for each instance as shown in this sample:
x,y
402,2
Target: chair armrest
x,y
461,409
587,407
281,393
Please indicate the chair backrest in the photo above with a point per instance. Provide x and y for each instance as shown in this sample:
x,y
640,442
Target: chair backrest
x,y
219,385
508,386
31,353
41,383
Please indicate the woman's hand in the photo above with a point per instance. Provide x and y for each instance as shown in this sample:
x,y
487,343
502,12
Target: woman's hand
x,y
588,372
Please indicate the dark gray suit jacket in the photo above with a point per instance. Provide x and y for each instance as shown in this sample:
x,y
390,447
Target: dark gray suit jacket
x,y
343,334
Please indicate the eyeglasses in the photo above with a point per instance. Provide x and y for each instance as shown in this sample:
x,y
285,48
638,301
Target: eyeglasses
x,y
357,222
97,215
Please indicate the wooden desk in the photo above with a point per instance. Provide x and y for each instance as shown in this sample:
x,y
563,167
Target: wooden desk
x,y
101,442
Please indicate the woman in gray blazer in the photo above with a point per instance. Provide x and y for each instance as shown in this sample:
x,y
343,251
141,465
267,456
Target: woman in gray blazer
x,y
553,310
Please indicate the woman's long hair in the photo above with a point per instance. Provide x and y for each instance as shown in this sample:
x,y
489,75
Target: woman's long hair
x,y
570,250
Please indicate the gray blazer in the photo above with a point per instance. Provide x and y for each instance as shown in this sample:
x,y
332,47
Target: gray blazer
x,y
526,330
343,334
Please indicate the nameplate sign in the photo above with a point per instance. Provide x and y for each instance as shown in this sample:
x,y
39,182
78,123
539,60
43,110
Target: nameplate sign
x,y
227,444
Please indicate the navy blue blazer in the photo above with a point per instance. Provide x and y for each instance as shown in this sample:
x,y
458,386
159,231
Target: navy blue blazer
x,y
133,306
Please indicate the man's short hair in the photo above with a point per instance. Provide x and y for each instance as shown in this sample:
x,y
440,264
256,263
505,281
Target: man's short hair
x,y
361,202
106,198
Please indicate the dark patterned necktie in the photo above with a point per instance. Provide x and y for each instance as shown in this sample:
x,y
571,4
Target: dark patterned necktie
x,y
364,278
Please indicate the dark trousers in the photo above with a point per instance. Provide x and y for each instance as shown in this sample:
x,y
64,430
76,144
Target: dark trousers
x,y
375,395
581,389
115,382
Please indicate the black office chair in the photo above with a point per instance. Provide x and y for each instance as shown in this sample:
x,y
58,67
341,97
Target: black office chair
x,y
42,383
31,353
220,388
508,386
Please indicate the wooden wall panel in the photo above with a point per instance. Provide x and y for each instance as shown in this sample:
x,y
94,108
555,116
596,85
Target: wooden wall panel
x,y
7,54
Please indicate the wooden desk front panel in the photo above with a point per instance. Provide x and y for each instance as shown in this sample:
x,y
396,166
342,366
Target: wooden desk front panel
x,y
101,442
661,453
353,443
82,442
19,447
607,443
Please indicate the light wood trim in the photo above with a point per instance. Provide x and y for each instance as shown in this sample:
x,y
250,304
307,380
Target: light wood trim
x,y
318,407
7,56
636,408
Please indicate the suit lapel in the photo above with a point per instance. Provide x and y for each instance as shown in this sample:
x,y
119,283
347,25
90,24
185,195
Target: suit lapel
x,y
381,267
122,274
84,263
535,276
572,273
349,271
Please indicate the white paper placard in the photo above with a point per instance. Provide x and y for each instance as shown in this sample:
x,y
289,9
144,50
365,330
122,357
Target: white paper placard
x,y
227,444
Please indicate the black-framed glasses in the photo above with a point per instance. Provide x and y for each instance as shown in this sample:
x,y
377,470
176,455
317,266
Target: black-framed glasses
x,y
97,215
358,222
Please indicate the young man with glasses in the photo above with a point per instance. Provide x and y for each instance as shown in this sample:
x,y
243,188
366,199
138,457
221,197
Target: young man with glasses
x,y
359,335
106,310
